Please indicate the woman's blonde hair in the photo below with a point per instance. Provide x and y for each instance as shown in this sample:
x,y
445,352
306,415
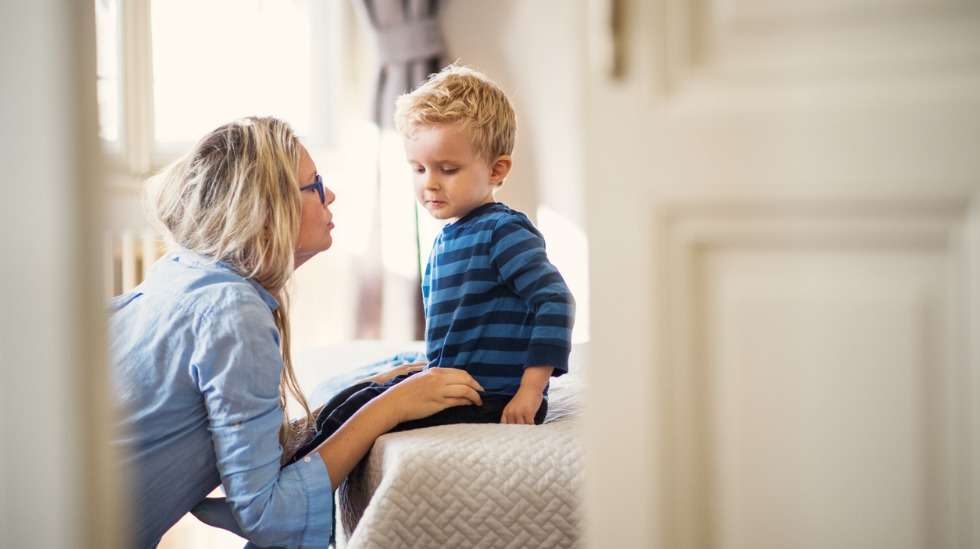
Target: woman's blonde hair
x,y
235,198
458,94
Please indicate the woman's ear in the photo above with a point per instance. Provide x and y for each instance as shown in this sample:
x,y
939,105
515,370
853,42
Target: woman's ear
x,y
499,169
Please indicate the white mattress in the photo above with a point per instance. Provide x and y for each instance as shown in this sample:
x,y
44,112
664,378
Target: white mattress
x,y
477,486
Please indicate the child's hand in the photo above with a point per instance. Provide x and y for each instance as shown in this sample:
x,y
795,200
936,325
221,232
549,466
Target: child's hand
x,y
391,374
522,407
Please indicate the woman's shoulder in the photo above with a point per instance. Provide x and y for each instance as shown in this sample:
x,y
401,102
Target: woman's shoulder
x,y
205,288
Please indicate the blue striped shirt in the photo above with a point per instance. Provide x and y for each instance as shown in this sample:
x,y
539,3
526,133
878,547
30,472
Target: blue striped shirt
x,y
494,304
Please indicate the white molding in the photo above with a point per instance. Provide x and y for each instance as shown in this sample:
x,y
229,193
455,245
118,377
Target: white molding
x,y
690,226
807,15
603,41
705,44
967,518
137,86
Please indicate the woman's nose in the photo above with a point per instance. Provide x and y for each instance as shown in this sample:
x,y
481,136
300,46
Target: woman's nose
x,y
328,196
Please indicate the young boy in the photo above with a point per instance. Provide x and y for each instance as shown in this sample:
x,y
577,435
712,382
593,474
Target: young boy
x,y
494,305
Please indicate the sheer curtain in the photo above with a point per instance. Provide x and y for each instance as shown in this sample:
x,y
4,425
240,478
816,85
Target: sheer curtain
x,y
410,46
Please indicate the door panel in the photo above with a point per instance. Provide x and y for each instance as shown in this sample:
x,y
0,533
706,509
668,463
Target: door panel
x,y
821,372
784,239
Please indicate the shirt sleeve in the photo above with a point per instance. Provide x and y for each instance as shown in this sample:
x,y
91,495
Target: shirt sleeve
x,y
238,372
517,252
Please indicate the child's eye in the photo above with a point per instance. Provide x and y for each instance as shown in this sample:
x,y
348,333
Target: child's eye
x,y
449,169
418,169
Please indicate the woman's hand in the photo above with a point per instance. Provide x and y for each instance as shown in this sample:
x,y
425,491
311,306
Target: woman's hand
x,y
388,375
418,396
432,391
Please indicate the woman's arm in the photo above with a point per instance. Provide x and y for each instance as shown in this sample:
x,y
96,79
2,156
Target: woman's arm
x,y
237,367
416,397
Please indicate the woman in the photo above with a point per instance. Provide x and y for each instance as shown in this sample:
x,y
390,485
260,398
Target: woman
x,y
200,350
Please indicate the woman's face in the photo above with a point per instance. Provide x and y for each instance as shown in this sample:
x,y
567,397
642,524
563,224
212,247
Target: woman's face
x,y
315,218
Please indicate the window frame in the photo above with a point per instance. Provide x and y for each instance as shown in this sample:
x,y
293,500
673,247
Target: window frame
x,y
136,154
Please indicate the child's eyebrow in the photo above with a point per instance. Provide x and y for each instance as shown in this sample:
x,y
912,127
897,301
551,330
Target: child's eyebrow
x,y
437,161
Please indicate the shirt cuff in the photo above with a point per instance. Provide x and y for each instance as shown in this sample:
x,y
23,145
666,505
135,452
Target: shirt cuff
x,y
313,473
542,354
315,479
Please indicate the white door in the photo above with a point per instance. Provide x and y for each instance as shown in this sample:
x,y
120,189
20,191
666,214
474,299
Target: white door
x,y
785,265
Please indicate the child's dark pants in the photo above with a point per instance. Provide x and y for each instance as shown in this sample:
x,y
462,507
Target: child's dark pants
x,y
345,404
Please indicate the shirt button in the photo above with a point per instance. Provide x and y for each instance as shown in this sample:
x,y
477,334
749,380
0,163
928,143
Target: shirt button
x,y
306,459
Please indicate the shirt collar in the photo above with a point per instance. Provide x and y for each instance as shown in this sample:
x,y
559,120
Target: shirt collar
x,y
264,294
473,214
189,257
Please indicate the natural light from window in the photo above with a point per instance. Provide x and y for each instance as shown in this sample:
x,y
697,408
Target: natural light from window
x,y
107,67
219,60
568,250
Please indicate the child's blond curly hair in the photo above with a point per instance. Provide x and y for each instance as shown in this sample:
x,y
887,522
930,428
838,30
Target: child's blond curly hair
x,y
459,94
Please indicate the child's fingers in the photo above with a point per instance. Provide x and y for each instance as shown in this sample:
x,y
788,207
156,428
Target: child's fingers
x,y
522,417
513,417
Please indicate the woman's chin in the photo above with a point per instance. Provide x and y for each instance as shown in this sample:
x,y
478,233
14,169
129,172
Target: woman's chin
x,y
303,256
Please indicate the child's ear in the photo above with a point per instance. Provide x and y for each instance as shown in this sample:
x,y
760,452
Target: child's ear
x,y
499,169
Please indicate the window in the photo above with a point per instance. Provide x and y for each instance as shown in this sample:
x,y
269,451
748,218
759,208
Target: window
x,y
172,70
107,68
219,60
169,71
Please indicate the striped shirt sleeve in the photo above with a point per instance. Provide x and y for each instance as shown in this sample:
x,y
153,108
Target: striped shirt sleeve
x,y
517,253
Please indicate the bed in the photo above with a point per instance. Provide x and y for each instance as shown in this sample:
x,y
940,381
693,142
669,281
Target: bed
x,y
480,486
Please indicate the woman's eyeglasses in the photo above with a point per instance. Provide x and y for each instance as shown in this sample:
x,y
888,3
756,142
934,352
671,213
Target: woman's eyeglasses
x,y
318,186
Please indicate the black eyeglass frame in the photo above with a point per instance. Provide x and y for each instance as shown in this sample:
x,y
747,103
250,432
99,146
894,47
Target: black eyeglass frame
x,y
318,186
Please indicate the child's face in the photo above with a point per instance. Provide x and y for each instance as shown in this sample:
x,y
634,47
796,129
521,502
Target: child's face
x,y
451,179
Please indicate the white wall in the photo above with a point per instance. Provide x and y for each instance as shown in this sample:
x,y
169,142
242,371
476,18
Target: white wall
x,y
536,51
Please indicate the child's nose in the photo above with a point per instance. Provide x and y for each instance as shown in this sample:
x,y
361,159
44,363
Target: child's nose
x,y
431,182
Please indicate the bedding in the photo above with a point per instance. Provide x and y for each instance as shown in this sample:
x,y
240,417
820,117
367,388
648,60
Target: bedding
x,y
480,486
